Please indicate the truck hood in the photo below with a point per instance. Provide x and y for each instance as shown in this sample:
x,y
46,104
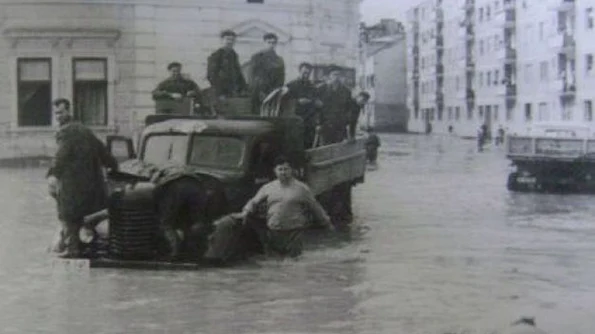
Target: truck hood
x,y
141,169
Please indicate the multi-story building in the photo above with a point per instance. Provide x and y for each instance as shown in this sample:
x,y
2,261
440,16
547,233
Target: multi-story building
x,y
505,63
382,73
107,56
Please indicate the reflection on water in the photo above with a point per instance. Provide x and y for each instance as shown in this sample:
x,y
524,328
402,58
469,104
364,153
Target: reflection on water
x,y
439,246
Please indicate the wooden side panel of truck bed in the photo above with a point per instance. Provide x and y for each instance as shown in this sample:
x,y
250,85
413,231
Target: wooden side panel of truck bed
x,y
335,164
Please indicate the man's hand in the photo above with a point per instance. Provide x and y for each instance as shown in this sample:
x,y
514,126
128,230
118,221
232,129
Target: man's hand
x,y
53,186
175,96
304,100
191,94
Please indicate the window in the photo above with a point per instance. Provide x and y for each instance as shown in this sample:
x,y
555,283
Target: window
x,y
457,113
480,112
90,90
528,113
449,113
489,78
488,13
480,14
528,69
589,63
440,114
588,110
34,89
457,83
496,5
469,113
543,71
495,109
488,45
480,79
509,114
496,77
216,151
543,112
589,18
481,47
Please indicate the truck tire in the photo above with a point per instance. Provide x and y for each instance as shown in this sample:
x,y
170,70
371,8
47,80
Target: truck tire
x,y
340,209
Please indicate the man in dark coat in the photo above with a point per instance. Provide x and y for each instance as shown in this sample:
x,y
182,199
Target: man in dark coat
x,y
308,104
76,177
176,86
356,108
337,102
224,71
268,72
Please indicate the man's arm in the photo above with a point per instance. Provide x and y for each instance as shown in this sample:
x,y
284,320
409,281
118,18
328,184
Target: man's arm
x,y
314,206
106,158
241,81
161,91
253,203
213,70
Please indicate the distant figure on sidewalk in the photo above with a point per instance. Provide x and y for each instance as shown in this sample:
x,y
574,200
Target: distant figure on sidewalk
x,y
482,137
500,136
372,144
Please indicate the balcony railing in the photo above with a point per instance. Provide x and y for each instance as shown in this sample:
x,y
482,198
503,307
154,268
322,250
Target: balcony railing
x,y
566,6
510,55
511,91
568,88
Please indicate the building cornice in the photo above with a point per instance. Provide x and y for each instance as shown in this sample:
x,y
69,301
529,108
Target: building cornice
x,y
59,31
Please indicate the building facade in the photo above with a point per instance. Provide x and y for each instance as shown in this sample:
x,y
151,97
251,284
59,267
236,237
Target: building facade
x,y
107,55
502,63
382,73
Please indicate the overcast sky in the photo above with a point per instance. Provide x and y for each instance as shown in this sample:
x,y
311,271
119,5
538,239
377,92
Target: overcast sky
x,y
374,10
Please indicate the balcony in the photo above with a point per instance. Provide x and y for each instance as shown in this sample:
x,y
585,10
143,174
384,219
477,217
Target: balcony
x,y
439,15
568,45
566,6
510,19
568,89
511,92
508,5
510,56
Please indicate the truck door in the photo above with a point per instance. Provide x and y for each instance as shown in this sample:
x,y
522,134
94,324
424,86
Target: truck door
x,y
264,153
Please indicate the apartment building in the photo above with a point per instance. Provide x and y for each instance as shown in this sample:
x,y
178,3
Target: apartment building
x,y
107,56
499,62
382,73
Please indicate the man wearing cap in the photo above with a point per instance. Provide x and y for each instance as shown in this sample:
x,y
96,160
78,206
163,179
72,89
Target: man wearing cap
x,y
337,102
76,177
308,105
268,72
223,69
176,86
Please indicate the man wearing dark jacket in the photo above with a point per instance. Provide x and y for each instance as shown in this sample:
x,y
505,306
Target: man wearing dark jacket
x,y
337,102
268,72
308,105
223,69
76,177
176,86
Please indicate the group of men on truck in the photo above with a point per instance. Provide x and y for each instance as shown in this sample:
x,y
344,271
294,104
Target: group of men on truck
x,y
327,107
328,110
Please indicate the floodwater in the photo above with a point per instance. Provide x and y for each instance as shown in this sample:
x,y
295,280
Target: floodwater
x,y
439,246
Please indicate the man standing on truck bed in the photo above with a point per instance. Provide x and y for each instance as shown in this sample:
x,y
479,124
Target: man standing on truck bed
x,y
336,100
76,177
224,71
176,86
288,204
268,72
308,103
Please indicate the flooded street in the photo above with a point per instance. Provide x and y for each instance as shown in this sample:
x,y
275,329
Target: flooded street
x,y
440,246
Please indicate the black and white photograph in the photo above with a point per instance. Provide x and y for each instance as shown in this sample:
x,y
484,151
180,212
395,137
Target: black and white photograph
x,y
297,166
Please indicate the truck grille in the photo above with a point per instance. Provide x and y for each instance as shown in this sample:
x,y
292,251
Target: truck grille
x,y
133,227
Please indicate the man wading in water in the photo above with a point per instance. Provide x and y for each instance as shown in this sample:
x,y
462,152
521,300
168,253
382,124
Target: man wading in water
x,y
288,202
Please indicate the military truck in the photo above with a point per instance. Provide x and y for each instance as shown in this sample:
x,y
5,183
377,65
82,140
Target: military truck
x,y
552,157
230,158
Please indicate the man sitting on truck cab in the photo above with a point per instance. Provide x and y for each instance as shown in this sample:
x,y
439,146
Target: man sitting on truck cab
x,y
308,103
289,204
176,86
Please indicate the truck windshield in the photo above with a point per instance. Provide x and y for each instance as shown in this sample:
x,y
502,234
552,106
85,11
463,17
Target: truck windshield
x,y
217,151
165,149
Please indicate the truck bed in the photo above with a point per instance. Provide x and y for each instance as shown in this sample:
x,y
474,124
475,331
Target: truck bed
x,y
335,164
